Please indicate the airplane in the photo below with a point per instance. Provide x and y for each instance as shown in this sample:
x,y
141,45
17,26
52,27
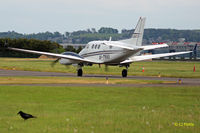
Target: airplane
x,y
116,53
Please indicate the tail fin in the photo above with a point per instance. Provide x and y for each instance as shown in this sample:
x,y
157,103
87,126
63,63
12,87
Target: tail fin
x,y
137,36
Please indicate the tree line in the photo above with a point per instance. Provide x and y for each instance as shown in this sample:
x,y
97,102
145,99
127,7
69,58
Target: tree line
x,y
104,33
31,44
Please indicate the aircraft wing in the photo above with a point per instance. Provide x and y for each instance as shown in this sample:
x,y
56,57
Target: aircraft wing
x,y
147,57
70,57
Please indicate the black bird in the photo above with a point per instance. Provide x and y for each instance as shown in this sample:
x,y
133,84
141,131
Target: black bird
x,y
25,116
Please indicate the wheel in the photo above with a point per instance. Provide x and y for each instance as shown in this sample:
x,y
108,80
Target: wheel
x,y
80,72
124,73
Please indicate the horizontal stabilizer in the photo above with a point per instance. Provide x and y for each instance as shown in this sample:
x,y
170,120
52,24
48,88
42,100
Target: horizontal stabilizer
x,y
149,47
120,45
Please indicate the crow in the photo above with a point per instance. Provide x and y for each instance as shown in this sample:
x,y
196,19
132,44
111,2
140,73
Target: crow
x,y
25,116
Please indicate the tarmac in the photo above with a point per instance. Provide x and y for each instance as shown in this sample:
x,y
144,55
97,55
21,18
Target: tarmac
x,y
176,81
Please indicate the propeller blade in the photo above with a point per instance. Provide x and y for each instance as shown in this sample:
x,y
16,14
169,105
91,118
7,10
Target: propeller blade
x,y
106,68
67,66
54,62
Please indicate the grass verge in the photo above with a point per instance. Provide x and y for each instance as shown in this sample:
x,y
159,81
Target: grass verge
x,y
100,109
75,80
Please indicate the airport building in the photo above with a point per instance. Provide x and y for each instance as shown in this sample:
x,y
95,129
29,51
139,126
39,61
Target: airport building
x,y
76,46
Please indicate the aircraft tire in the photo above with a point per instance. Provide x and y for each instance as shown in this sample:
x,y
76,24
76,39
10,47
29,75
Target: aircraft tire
x,y
124,73
80,72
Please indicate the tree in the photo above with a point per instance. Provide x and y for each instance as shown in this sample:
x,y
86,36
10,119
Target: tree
x,y
93,30
70,48
105,30
31,44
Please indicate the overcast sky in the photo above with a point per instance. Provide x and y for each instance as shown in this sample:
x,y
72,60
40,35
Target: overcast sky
x,y
33,16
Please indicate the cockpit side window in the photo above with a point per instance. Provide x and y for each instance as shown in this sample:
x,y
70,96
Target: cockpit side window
x,y
87,46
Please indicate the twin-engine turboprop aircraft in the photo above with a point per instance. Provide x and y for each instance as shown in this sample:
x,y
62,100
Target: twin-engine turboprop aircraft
x,y
122,53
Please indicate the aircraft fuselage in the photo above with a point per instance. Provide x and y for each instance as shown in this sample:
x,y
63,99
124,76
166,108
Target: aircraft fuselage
x,y
99,53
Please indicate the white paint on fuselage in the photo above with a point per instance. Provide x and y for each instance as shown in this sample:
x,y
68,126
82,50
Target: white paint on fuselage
x,y
100,53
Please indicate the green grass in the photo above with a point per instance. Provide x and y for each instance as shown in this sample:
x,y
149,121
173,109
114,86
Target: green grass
x,y
99,109
152,68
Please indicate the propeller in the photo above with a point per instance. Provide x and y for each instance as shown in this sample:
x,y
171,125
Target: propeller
x,y
54,62
106,68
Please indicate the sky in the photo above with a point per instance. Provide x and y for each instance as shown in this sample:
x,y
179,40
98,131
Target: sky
x,y
33,16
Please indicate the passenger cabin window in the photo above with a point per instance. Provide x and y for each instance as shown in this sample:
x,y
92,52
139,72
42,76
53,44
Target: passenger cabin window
x,y
95,46
92,46
98,46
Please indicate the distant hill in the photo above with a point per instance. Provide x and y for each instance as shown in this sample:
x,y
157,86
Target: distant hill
x,y
104,33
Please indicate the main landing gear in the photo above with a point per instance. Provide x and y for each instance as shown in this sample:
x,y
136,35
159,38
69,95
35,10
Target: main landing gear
x,y
125,71
79,70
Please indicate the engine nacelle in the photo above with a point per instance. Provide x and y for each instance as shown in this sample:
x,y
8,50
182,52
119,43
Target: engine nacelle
x,y
65,61
68,61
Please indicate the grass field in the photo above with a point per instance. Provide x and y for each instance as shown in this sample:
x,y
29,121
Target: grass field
x,y
100,109
152,68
